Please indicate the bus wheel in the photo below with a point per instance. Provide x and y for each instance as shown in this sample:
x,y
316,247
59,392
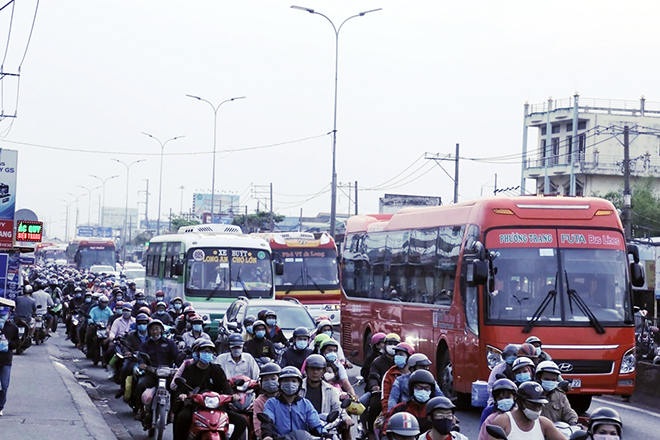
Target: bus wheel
x,y
580,402
447,377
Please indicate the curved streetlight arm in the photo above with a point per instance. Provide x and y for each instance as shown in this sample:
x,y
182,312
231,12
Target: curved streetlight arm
x,y
215,109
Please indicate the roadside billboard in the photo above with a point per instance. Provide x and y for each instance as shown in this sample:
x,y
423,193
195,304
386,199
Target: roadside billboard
x,y
224,204
8,167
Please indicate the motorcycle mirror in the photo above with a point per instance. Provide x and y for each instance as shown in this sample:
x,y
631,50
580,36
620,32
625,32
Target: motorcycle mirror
x,y
332,416
232,325
39,306
346,403
496,432
145,357
239,382
264,418
359,380
579,435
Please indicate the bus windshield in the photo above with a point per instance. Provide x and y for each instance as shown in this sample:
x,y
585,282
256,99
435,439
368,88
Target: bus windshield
x,y
525,277
228,273
95,255
308,267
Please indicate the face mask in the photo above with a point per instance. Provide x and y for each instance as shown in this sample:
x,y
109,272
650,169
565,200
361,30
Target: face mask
x,y
197,327
88,300
328,376
301,345
290,388
249,329
126,315
331,357
159,299
236,352
161,312
119,298
531,415
443,426
523,377
538,351
177,306
271,322
270,386
400,360
328,332
505,405
510,360
142,327
422,396
549,385
195,356
206,357
605,437
78,295
389,349
260,333
154,338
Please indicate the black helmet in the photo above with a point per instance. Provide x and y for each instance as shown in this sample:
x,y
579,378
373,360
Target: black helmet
x,y
156,322
404,424
510,350
602,416
27,289
531,392
315,361
301,331
258,323
290,371
142,317
439,403
204,343
249,320
235,340
269,368
421,376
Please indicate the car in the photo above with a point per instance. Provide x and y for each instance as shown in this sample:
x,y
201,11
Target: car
x,y
290,314
104,269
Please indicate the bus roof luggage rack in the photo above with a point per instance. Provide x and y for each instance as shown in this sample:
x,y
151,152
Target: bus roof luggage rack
x,y
212,228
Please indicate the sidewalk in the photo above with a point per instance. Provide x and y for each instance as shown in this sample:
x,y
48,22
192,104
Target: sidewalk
x,y
45,401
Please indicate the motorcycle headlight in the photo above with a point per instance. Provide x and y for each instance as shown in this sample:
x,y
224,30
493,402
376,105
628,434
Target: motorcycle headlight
x,y
212,402
200,424
628,362
493,356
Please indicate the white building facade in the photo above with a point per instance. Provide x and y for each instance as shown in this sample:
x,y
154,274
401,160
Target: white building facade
x,y
579,148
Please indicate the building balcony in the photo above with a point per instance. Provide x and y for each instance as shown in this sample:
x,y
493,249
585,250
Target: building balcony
x,y
597,164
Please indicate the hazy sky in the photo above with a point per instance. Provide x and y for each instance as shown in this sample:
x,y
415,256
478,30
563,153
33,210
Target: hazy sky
x,y
418,76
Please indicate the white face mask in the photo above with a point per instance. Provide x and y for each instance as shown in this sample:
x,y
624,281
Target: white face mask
x,y
605,437
389,349
328,376
531,415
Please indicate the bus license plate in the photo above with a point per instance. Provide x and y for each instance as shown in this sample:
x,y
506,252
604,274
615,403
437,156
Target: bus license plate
x,y
576,383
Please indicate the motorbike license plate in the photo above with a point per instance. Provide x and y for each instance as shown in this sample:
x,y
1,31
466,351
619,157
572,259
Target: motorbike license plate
x,y
576,383
163,372
39,324
21,330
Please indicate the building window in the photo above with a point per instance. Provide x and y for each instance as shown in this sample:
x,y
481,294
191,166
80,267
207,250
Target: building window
x,y
569,148
569,126
555,151
582,143
556,128
544,130
582,125
542,152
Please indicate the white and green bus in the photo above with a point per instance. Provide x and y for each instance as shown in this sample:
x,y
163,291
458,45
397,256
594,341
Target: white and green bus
x,y
210,266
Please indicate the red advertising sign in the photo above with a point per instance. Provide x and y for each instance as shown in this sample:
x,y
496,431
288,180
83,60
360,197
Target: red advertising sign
x,y
536,238
593,239
6,234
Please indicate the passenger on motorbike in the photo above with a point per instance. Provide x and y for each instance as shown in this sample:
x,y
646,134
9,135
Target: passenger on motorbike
x,y
176,309
525,421
196,332
377,347
26,309
399,392
529,351
523,370
402,352
98,315
379,367
236,362
182,323
421,387
440,412
289,411
203,375
140,301
504,368
329,349
296,354
269,381
260,347
44,302
161,314
605,424
504,393
273,332
403,426
160,297
538,347
248,323
558,409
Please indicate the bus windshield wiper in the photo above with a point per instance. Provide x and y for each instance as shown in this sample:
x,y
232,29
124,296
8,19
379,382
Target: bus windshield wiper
x,y
238,280
551,296
295,282
314,282
574,296
217,287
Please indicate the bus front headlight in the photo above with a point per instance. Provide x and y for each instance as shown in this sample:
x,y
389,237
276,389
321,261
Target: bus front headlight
x,y
628,362
493,356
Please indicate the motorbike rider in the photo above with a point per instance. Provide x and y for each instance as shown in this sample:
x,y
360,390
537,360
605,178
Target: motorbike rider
x,y
377,347
26,309
529,351
119,328
160,297
161,314
299,350
248,323
523,370
131,292
324,327
196,331
75,304
558,408
538,348
605,424
504,393
399,392
270,387
525,421
260,347
236,362
329,350
273,332
421,387
379,367
140,301
440,413
402,426
53,289
289,411
323,396
82,324
509,356
98,315
44,302
203,375
9,341
402,352
132,342
176,309
182,324
161,351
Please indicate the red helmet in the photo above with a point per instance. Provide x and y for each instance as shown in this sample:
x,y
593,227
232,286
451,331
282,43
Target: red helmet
x,y
404,346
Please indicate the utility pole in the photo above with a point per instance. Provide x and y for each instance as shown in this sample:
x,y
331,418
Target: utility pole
x,y
146,204
436,157
627,220
272,219
181,207
456,177
495,187
356,198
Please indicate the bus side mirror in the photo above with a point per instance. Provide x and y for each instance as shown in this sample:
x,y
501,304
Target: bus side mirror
x,y
178,269
279,268
636,275
632,250
477,272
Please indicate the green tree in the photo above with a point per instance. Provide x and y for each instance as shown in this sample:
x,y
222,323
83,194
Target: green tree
x,y
142,238
645,207
179,221
258,222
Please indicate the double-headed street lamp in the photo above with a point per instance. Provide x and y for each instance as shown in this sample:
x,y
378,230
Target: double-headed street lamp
x,y
215,129
333,202
124,235
102,207
160,185
89,208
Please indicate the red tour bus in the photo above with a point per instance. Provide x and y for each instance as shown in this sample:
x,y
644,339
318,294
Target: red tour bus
x,y
460,282
311,273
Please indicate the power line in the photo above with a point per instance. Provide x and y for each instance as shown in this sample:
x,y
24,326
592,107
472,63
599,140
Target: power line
x,y
34,19
11,23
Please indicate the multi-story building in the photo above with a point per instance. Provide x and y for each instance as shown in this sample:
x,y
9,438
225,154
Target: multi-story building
x,y
579,149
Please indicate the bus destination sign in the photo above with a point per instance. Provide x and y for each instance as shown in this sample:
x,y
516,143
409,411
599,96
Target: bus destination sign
x,y
29,231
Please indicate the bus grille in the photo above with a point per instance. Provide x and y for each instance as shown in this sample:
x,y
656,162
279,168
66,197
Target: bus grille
x,y
346,339
569,367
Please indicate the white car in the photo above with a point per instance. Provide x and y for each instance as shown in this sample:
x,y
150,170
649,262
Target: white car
x,y
103,269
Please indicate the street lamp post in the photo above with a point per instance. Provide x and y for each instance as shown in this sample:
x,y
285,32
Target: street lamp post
x,y
102,209
160,185
124,235
89,207
215,129
68,213
333,202
75,231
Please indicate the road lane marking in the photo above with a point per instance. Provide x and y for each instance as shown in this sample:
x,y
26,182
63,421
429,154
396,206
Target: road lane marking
x,y
628,407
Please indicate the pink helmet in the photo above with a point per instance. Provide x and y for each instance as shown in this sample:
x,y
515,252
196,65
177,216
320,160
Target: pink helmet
x,y
377,338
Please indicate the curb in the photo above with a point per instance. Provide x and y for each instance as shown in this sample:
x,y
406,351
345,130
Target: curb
x,y
92,417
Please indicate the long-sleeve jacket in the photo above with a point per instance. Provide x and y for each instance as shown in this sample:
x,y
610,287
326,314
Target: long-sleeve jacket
x,y
379,367
386,387
246,366
120,327
401,393
9,335
162,352
558,409
294,357
291,417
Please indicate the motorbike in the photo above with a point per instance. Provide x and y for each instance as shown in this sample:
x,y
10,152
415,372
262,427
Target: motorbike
x,y
498,433
24,329
40,333
209,421
156,401
72,330
267,425
245,388
100,335
55,312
